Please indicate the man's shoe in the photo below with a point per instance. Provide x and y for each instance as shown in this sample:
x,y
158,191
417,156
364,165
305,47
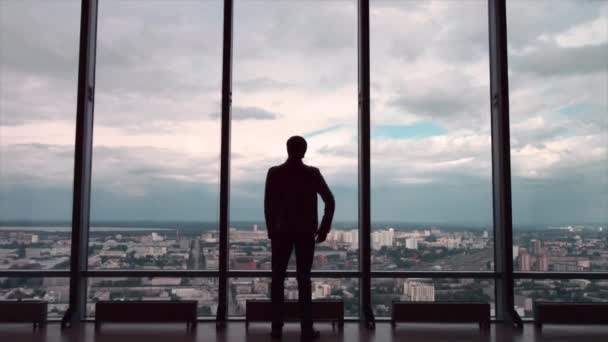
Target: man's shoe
x,y
276,334
311,334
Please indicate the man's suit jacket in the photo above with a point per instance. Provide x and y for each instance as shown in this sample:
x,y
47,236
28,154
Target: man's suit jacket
x,y
290,200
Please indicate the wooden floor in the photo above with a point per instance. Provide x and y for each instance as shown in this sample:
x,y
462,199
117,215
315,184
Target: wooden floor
x,y
353,332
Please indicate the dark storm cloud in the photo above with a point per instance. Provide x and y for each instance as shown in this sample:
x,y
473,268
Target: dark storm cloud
x,y
551,60
249,113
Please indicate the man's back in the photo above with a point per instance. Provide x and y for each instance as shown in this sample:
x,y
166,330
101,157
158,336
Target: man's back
x,y
290,207
290,203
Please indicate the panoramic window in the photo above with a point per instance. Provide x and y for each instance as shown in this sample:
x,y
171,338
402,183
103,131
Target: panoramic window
x,y
293,78
558,53
155,177
38,77
156,149
202,290
559,134
55,291
387,290
244,289
431,201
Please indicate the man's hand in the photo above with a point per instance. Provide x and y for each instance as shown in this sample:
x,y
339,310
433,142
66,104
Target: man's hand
x,y
320,237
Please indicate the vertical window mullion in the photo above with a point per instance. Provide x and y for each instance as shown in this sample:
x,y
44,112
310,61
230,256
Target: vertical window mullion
x,y
364,164
501,163
222,313
82,161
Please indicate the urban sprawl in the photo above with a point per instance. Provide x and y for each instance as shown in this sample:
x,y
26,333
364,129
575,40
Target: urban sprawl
x,y
551,249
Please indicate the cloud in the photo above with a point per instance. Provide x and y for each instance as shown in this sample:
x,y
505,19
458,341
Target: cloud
x,y
553,61
157,121
248,113
258,84
442,103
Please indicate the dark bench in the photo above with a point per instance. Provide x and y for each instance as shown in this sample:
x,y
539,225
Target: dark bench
x,y
260,310
447,312
21,311
146,312
570,313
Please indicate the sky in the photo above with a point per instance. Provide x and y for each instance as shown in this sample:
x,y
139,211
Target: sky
x,y
158,92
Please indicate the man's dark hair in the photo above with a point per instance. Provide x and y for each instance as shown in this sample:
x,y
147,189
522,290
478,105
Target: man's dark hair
x,y
296,147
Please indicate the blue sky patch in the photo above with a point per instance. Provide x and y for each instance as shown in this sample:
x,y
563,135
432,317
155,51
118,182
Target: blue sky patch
x,y
575,109
420,129
321,131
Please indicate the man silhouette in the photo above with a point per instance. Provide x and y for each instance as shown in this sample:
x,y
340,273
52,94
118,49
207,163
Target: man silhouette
x,y
290,208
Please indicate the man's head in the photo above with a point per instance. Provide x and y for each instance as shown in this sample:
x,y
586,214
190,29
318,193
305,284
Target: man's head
x,y
296,147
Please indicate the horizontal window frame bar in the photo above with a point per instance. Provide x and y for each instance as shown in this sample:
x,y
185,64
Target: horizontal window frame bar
x,y
35,274
239,319
561,275
437,274
292,273
152,273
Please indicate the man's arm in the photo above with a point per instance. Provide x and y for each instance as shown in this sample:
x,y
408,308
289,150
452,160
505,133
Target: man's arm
x,y
330,206
269,201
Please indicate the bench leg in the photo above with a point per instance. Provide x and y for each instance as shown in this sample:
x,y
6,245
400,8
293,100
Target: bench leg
x,y
97,327
484,326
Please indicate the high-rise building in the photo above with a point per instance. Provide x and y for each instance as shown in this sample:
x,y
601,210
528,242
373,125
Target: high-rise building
x,y
515,252
542,263
411,243
537,247
525,262
354,239
419,291
321,290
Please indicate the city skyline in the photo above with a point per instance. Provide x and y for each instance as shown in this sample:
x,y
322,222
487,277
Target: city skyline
x,y
563,249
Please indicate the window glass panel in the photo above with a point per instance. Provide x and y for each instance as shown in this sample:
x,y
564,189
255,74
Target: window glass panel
x,y
527,291
38,76
559,134
243,289
154,201
293,78
203,290
385,291
55,291
431,184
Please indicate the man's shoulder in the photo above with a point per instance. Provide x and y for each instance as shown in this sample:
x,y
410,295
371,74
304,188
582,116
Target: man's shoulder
x,y
275,169
313,169
280,167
